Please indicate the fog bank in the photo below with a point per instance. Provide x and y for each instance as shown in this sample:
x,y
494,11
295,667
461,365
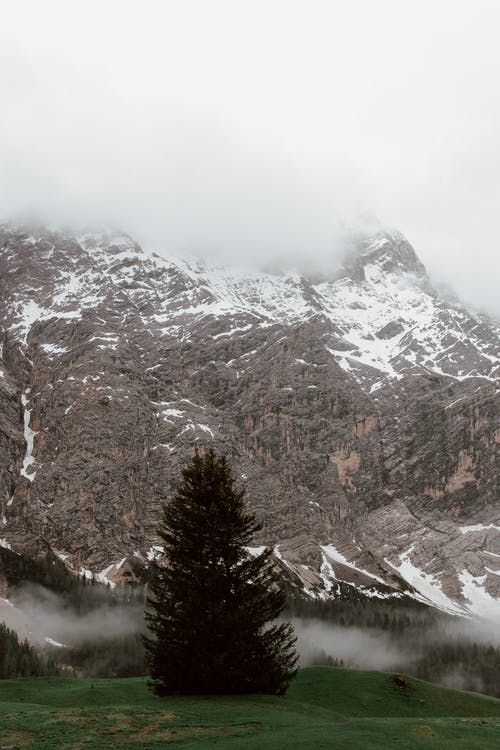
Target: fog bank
x,y
254,129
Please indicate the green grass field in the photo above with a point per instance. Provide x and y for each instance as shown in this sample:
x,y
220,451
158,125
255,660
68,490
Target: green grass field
x,y
325,707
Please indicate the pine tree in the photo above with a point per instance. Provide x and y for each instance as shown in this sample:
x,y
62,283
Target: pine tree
x,y
211,604
20,659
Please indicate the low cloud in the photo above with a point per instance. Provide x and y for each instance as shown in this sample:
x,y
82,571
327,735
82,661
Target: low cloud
x,y
259,131
355,647
452,651
39,614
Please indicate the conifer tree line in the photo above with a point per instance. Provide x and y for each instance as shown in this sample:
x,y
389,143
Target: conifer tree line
x,y
20,659
110,655
115,656
209,601
76,592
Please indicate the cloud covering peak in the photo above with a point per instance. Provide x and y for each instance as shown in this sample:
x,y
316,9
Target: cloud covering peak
x,y
259,129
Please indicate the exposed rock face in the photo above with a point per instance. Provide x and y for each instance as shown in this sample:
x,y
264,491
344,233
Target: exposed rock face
x,y
361,411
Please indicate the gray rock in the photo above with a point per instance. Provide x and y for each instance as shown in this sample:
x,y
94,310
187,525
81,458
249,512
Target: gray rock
x,y
360,411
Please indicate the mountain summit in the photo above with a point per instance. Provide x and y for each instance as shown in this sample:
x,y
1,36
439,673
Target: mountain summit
x,y
361,411
389,252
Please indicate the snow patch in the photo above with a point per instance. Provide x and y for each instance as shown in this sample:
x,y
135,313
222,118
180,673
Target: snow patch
x,y
155,552
53,349
178,413
255,551
478,527
428,587
482,604
333,553
52,642
29,436
206,428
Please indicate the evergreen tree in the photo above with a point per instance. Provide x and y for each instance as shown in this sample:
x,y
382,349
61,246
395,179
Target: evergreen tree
x,y
20,659
211,605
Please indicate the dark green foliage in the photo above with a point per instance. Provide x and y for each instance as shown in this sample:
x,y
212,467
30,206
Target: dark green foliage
x,y
77,593
461,663
47,571
353,609
20,659
211,604
121,656
109,655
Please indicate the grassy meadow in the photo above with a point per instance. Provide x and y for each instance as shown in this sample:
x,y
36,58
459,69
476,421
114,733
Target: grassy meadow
x,y
325,707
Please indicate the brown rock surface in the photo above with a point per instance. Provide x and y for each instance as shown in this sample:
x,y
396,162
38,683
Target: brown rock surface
x,y
360,411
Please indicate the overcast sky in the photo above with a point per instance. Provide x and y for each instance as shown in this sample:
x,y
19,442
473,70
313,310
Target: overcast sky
x,y
258,128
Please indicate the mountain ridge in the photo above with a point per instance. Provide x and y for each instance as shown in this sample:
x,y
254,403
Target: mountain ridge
x,y
358,408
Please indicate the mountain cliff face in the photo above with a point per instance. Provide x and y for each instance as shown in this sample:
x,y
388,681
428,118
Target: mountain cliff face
x,y
361,411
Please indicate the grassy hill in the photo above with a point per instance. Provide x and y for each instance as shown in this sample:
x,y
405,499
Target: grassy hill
x,y
325,707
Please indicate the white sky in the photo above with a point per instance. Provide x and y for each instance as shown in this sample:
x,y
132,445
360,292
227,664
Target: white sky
x,y
256,128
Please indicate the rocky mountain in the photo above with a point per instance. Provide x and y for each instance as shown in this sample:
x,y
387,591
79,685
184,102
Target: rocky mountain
x,y
360,409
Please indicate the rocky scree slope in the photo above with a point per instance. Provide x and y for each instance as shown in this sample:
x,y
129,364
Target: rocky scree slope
x,y
360,410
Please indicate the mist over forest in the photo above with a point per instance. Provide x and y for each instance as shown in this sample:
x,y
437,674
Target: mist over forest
x,y
99,631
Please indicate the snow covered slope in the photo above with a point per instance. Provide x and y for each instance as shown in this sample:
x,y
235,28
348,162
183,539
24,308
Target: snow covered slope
x,y
360,409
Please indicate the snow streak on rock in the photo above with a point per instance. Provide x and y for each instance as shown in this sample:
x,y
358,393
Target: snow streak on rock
x,y
358,404
29,436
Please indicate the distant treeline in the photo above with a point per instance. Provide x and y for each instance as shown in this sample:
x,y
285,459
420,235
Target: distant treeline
x,y
110,656
437,651
20,659
352,609
81,594
462,664
121,656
